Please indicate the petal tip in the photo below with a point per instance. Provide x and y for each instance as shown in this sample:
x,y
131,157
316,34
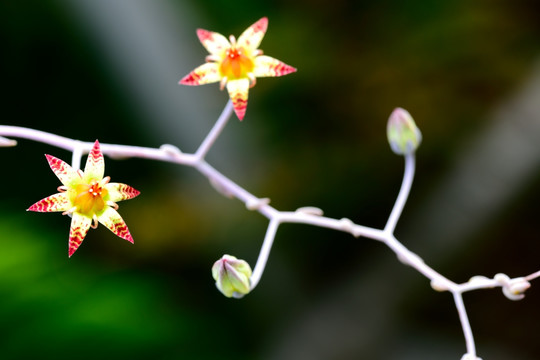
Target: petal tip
x,y
194,78
203,34
286,69
262,24
126,236
189,79
96,148
71,250
240,111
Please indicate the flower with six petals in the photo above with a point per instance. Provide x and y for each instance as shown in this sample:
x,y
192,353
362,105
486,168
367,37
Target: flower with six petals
x,y
87,197
236,64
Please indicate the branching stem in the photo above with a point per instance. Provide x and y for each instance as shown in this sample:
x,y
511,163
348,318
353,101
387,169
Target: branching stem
x,y
406,185
215,132
512,288
465,324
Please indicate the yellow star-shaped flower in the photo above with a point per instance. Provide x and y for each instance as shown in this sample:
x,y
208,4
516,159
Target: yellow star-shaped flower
x,y
87,197
236,64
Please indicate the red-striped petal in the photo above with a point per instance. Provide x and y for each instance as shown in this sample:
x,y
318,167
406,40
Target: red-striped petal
x,y
79,228
56,202
268,66
214,42
63,171
114,222
251,38
119,192
238,92
204,74
95,164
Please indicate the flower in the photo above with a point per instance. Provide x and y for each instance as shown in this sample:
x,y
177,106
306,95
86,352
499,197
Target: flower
x,y
236,64
232,276
403,134
87,197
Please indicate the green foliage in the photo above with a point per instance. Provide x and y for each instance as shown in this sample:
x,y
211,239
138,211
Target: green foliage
x,y
52,307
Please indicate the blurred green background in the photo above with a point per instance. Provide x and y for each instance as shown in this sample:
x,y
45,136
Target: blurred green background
x,y
469,73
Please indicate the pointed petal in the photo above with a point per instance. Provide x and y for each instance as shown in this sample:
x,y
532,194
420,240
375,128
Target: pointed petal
x,y
119,192
112,220
56,202
214,42
251,38
238,92
95,164
268,66
63,171
79,228
204,74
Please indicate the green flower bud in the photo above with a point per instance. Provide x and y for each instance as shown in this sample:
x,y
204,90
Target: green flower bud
x,y
232,276
403,135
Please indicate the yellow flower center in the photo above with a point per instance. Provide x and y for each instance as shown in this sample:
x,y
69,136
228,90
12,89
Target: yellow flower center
x,y
88,198
236,64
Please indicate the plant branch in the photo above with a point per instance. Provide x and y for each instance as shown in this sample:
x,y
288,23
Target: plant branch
x,y
216,131
404,191
512,288
465,325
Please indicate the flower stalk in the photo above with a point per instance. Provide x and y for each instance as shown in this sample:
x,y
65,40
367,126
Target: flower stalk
x,y
89,197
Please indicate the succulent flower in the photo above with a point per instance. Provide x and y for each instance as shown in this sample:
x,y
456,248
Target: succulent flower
x,y
232,275
403,134
236,64
87,197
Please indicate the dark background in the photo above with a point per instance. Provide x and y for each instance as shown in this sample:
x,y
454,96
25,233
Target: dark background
x,y
467,71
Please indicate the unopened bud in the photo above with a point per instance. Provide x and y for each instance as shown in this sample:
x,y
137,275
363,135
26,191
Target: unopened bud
x,y
403,134
232,275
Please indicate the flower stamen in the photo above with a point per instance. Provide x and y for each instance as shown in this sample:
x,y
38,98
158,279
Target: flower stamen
x,y
252,79
94,222
223,83
70,211
212,58
113,205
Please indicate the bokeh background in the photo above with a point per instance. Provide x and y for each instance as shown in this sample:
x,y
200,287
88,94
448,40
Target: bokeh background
x,y
468,71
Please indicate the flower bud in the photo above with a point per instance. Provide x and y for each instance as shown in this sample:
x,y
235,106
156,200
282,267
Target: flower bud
x,y
231,275
403,135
